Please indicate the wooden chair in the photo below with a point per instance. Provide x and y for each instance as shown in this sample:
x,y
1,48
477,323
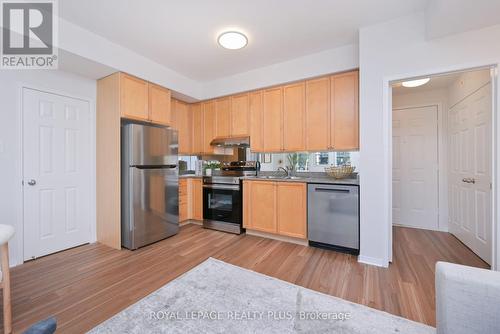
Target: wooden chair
x,y
6,232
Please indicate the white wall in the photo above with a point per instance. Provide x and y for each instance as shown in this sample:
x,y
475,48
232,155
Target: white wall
x,y
438,97
466,84
11,82
330,61
395,50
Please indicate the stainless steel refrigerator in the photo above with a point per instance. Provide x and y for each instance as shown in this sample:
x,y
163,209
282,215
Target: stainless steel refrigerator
x,y
150,188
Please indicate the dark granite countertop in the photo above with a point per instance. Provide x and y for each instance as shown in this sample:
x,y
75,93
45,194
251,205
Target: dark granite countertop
x,y
306,179
190,176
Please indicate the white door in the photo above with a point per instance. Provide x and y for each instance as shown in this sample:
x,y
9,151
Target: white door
x,y
415,167
57,177
470,172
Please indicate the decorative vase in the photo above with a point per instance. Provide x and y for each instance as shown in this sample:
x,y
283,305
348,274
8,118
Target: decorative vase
x,y
208,172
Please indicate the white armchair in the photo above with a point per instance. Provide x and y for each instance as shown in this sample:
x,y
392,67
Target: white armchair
x,y
467,300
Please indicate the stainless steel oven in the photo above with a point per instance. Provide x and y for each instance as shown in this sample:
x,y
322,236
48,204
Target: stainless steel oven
x,y
222,204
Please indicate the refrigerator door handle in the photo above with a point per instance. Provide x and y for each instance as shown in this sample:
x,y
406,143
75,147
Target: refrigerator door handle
x,y
155,166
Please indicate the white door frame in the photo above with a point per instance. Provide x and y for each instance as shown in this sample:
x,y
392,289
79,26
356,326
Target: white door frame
x,y
387,128
442,145
92,162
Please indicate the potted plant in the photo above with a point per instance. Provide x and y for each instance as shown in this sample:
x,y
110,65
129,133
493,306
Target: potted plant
x,y
210,166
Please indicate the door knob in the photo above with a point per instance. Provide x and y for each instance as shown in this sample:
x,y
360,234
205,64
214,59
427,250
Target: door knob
x,y
31,182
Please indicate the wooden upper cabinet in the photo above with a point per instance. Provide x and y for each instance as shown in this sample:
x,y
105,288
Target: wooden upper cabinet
x,y
259,206
273,119
208,112
160,105
197,129
318,114
294,134
134,96
223,117
184,123
344,134
239,115
291,209
256,112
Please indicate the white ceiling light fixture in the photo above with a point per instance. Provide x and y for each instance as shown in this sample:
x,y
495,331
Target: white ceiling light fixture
x,y
415,83
232,40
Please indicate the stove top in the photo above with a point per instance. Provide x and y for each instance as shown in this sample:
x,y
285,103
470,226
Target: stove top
x,y
231,172
240,166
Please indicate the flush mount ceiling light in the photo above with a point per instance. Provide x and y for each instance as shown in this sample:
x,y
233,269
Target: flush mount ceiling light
x,y
415,83
232,40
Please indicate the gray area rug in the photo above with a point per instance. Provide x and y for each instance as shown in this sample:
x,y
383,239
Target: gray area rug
x,y
217,297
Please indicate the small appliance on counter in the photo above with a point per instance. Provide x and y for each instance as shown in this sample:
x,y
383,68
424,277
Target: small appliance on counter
x,y
222,196
150,187
333,217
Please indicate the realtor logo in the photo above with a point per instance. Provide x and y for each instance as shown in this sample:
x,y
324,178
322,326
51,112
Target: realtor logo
x,y
29,30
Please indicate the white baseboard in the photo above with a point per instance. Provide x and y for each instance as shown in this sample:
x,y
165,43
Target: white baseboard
x,y
373,261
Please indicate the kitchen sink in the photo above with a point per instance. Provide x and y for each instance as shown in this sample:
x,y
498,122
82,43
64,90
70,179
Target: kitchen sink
x,y
273,177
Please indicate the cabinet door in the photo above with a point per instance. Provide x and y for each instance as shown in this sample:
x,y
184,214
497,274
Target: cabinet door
x,y
184,122
262,206
134,94
256,122
197,129
344,111
208,110
246,204
183,200
273,119
318,114
294,135
223,117
239,116
159,105
291,209
196,199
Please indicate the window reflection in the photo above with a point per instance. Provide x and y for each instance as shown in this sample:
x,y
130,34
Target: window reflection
x,y
309,162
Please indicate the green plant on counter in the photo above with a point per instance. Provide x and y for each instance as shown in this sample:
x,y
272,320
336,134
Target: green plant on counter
x,y
212,165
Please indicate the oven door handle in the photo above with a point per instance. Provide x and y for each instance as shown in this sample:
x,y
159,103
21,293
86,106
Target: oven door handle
x,y
222,186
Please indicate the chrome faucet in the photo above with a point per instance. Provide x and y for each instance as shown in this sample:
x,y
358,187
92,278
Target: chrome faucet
x,y
283,169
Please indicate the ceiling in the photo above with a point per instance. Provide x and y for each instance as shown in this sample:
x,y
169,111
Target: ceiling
x,y
181,35
436,82
446,17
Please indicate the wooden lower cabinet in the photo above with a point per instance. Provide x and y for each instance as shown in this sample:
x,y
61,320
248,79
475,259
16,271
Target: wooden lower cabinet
x,y
196,203
190,199
291,209
259,203
275,207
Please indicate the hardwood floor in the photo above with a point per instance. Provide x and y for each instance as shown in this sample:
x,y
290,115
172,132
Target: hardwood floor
x,y
84,286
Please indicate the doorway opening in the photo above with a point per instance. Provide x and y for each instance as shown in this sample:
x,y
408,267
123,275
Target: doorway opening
x,y
442,164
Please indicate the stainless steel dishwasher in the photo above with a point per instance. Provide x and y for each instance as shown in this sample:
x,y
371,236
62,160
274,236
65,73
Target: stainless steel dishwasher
x,y
333,216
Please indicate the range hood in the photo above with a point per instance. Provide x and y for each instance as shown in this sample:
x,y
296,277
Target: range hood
x,y
231,142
